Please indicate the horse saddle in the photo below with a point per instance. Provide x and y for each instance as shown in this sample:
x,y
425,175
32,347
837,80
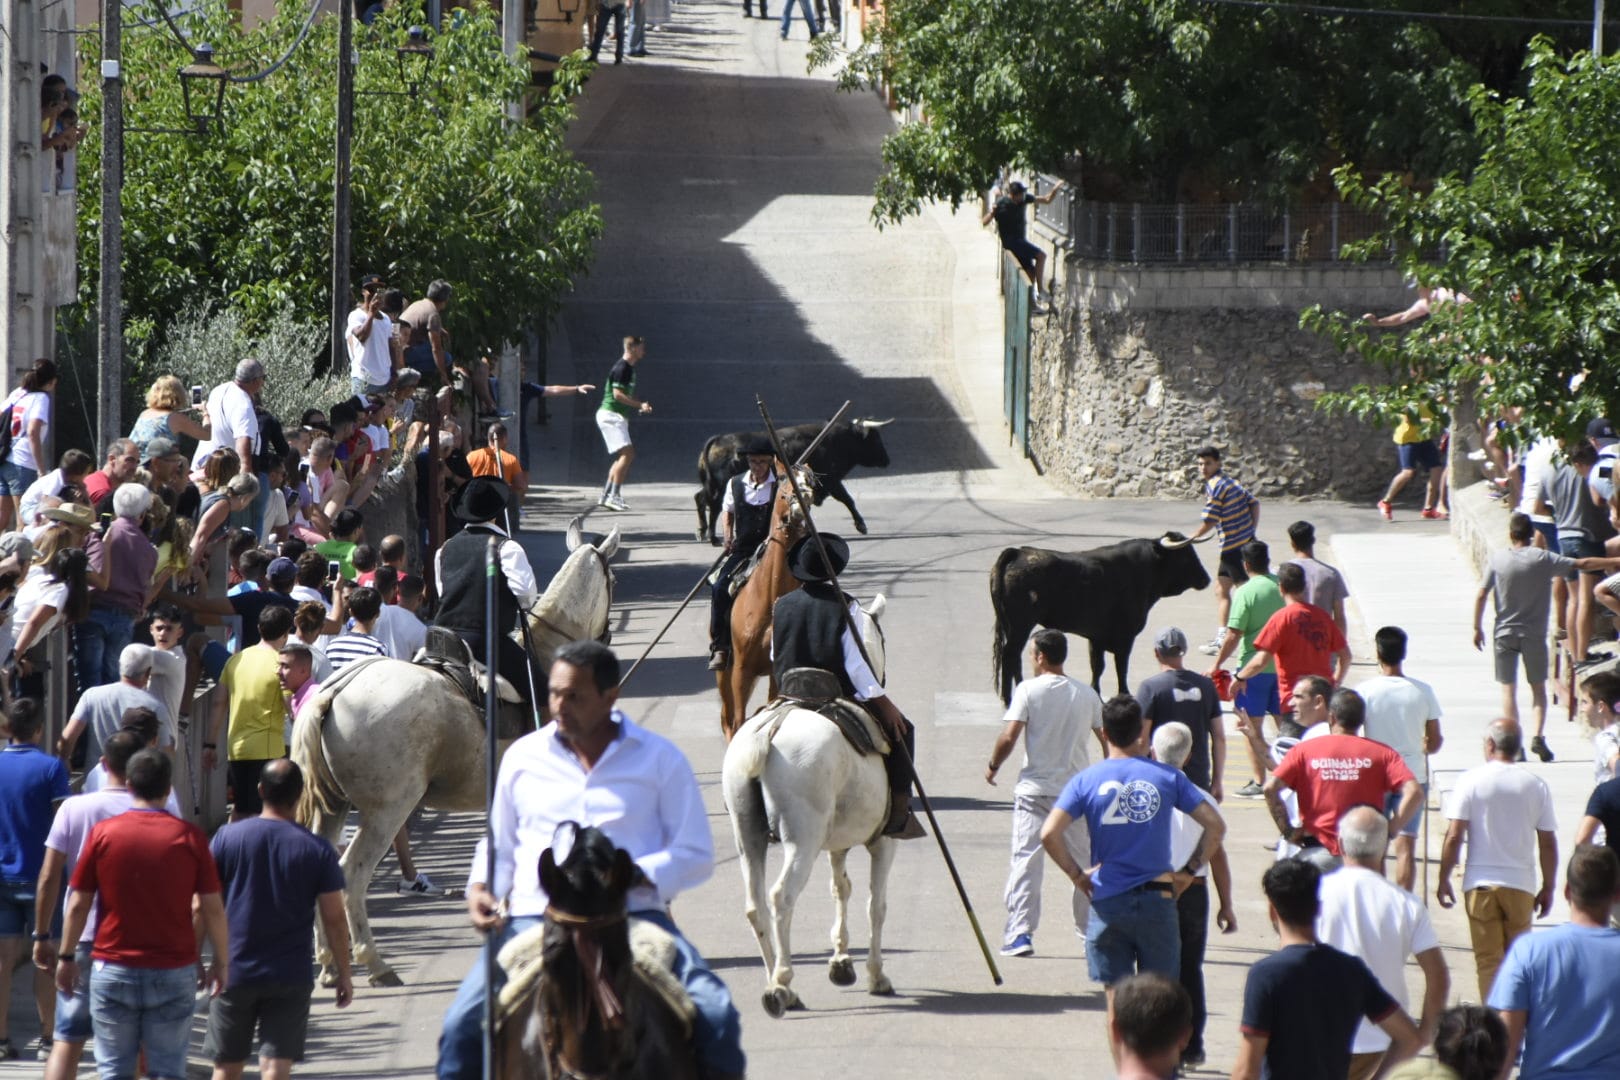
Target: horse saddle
x,y
739,577
446,653
652,951
818,690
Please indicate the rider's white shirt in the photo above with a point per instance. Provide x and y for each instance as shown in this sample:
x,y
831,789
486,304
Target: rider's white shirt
x,y
514,565
641,793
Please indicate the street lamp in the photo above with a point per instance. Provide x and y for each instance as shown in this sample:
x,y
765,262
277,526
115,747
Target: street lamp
x,y
209,79
414,58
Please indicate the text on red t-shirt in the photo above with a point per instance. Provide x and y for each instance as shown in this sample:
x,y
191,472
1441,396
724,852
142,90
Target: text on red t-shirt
x,y
1333,774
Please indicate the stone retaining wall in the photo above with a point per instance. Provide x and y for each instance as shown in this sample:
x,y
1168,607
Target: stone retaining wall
x,y
1139,367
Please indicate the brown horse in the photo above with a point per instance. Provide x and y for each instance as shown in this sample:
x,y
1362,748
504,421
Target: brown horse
x,y
589,1013
751,612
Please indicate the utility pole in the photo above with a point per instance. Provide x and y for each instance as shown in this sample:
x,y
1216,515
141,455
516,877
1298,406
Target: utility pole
x,y
110,351
23,336
1597,27
340,186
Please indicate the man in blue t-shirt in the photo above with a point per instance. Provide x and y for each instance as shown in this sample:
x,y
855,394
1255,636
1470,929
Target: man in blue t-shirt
x,y
1558,990
276,874
1126,801
32,783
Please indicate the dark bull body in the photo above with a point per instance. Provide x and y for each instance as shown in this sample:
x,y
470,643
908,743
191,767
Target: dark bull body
x,y
1103,595
848,444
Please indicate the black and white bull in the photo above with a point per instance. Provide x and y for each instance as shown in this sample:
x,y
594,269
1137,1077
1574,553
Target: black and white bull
x,y
1103,595
852,443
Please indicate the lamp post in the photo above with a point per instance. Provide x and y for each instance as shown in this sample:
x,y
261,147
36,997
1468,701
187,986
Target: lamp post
x,y
202,87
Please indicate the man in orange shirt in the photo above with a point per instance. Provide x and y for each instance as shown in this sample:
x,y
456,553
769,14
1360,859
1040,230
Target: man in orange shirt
x,y
494,461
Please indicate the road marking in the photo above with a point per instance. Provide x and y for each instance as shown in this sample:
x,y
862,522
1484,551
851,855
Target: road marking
x,y
966,708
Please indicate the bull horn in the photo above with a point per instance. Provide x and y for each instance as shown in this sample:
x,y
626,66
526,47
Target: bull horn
x,y
576,534
868,424
1206,538
1172,545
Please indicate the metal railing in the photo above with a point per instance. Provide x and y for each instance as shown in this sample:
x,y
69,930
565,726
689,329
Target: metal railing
x,y
1208,235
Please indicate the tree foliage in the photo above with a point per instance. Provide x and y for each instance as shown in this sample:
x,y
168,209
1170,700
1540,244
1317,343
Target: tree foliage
x,y
1162,100
1529,235
443,184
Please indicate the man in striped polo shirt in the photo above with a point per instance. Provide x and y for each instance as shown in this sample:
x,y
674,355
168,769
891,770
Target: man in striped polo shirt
x,y
1229,507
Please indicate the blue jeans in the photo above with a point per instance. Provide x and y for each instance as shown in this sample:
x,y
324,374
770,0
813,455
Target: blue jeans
x,y
420,357
637,30
787,17
96,644
1133,932
716,1031
133,1008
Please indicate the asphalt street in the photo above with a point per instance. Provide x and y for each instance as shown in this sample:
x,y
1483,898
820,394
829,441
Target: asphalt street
x,y
736,190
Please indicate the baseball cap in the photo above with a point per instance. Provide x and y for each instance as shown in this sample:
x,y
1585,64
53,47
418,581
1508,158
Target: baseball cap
x,y
1170,641
1600,428
281,569
372,281
18,544
160,448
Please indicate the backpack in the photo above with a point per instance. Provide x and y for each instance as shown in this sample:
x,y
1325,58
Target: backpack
x,y
6,415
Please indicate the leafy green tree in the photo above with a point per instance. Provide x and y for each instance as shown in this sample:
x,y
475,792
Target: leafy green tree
x,y
1527,234
1162,100
443,184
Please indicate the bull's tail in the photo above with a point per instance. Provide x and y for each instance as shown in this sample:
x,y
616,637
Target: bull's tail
x,y
322,792
1002,667
704,474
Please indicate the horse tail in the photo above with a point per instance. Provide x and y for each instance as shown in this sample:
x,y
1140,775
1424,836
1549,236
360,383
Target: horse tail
x,y
322,792
751,746
740,781
1000,667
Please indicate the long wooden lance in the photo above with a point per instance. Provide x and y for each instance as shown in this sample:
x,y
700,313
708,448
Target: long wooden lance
x,y
897,743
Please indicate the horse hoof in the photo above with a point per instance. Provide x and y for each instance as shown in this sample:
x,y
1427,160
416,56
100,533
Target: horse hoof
x,y
841,972
386,978
775,1002
882,987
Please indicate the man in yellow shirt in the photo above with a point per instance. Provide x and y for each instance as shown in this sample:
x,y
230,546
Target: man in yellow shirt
x,y
1419,453
253,695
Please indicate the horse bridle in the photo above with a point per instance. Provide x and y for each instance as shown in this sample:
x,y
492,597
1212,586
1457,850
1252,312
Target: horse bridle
x,y
595,991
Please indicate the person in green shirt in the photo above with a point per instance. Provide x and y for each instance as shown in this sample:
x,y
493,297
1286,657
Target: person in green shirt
x,y
613,420
348,530
1255,601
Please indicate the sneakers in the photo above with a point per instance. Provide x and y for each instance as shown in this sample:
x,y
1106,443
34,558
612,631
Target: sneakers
x,y
1432,514
8,1052
614,502
1251,790
1386,509
42,1048
422,886
1192,1059
1213,646
1538,746
1019,946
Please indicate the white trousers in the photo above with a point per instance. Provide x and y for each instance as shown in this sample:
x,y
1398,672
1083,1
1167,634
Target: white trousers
x,y
1023,895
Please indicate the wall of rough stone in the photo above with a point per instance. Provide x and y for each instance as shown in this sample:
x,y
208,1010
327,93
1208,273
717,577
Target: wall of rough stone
x,y
1138,367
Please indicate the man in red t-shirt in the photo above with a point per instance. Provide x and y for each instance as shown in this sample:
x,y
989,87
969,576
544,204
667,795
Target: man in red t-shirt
x,y
1334,773
1303,640
144,867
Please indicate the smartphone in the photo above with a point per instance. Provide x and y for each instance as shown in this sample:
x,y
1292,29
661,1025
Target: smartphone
x,y
196,395
303,470
334,570
106,520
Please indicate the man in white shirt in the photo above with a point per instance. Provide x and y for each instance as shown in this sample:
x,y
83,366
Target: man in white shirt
x,y
1403,714
235,422
649,805
1366,915
400,631
1505,812
369,332
45,492
1053,713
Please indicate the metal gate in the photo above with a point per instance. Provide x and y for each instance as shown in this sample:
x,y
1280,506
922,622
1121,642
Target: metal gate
x,y
1015,354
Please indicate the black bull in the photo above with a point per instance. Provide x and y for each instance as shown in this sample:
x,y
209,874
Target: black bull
x,y
1103,595
847,445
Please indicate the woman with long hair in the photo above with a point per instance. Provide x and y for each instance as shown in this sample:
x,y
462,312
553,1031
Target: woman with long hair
x,y
237,495
30,406
54,592
165,416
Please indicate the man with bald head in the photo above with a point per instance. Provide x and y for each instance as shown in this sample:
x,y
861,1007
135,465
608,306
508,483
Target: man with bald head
x,y
1505,813
276,875
1367,915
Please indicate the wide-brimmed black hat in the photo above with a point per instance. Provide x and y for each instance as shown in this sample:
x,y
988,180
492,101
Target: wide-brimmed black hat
x,y
805,563
759,444
481,499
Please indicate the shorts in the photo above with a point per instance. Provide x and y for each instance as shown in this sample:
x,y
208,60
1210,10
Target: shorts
x,y
1393,800
1579,547
1549,533
243,777
73,1011
15,479
1259,697
17,910
1025,252
280,1012
1509,649
1418,455
615,429
1132,932
1231,565
1610,585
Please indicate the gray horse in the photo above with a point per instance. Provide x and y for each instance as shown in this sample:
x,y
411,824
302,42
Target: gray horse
x,y
386,736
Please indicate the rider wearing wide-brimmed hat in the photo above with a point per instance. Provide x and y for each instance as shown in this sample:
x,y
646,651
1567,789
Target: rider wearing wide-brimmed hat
x,y
459,570
808,630
745,522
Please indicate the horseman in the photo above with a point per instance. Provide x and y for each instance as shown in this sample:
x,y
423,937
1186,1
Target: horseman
x,y
745,522
460,572
595,765
808,630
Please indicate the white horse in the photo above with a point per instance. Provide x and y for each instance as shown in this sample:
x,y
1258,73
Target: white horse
x,y
798,778
385,736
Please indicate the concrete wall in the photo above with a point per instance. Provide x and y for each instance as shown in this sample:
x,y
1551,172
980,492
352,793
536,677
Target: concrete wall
x,y
1139,366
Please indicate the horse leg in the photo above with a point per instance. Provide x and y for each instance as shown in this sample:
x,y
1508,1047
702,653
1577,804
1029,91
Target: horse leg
x,y
1098,659
882,851
359,863
797,862
840,969
328,827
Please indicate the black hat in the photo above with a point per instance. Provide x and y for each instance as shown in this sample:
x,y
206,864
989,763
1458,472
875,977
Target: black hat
x,y
480,499
804,561
372,281
758,445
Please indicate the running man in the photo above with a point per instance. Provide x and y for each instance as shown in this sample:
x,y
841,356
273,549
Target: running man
x,y
613,420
